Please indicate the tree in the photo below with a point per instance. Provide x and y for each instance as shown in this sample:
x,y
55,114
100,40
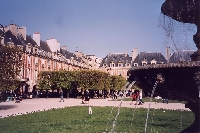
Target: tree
x,y
86,79
10,66
117,82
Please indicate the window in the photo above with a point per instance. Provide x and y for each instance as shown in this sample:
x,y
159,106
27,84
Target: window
x,y
36,74
144,62
119,64
29,49
135,64
111,72
49,64
36,61
29,59
29,73
42,61
153,62
33,49
54,65
36,51
119,72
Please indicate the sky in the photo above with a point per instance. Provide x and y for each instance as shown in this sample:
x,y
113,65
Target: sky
x,y
100,27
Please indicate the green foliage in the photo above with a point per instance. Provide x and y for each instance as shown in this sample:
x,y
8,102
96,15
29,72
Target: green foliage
x,y
77,120
86,79
44,80
10,66
117,82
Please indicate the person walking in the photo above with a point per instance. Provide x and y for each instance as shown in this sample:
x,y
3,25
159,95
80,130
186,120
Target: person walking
x,y
115,95
140,98
87,96
61,96
82,97
133,96
137,95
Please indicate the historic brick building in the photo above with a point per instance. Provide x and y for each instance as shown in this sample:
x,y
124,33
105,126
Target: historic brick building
x,y
40,55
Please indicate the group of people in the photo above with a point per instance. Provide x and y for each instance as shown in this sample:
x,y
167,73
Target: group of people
x,y
85,96
14,96
137,96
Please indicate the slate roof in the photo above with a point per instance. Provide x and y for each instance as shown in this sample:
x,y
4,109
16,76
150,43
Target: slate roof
x,y
181,56
44,46
30,40
67,54
9,37
116,58
149,57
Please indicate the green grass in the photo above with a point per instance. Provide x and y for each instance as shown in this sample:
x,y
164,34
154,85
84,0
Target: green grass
x,y
77,120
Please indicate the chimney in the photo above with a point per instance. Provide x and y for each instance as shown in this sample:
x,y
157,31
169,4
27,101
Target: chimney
x,y
13,29
167,53
64,47
36,38
125,54
134,54
22,31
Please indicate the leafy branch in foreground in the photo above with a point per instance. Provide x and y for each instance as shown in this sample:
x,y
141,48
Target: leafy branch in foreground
x,y
10,66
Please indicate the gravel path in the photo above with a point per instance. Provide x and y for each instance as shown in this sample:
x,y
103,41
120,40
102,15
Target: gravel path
x,y
30,105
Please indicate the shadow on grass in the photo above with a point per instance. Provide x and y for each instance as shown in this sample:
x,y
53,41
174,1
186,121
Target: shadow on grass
x,y
6,107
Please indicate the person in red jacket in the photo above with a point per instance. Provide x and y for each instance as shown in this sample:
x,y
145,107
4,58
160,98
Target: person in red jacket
x,y
133,96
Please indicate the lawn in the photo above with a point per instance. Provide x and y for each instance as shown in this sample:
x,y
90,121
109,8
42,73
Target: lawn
x,y
77,120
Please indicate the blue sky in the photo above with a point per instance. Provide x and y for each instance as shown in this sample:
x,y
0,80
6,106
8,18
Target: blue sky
x,y
98,27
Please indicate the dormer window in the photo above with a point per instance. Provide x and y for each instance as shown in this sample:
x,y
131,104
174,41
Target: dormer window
x,y
153,61
135,64
49,54
120,65
43,53
33,49
36,50
144,62
112,64
29,49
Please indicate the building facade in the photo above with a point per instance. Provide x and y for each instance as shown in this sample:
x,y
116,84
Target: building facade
x,y
116,64
92,61
40,55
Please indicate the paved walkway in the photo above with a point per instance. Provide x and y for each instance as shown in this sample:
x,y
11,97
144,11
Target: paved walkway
x,y
40,104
